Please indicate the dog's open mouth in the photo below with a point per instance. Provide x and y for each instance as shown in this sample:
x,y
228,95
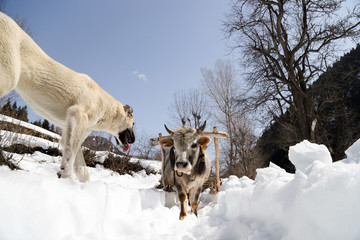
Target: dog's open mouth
x,y
126,147
125,138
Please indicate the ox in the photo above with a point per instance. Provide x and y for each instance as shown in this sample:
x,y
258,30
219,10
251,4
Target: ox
x,y
186,165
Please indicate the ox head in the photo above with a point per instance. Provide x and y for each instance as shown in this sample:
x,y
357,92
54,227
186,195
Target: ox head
x,y
187,143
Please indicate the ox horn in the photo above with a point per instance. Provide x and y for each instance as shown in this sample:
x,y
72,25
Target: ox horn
x,y
171,132
201,128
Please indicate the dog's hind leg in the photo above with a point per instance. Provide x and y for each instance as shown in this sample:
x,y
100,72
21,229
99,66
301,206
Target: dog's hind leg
x,y
73,135
80,168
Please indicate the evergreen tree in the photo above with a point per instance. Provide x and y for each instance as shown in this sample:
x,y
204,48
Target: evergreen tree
x,y
14,109
45,124
37,123
6,109
22,114
52,128
336,95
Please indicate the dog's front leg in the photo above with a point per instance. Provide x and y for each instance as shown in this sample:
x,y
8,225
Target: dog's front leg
x,y
80,167
74,133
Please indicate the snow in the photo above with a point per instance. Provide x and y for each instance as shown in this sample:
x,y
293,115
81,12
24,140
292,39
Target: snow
x,y
353,153
303,155
29,126
9,138
320,201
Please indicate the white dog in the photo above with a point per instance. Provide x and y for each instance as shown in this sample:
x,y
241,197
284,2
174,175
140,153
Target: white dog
x,y
70,100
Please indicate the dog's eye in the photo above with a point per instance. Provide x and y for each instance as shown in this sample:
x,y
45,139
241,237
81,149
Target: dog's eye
x,y
194,145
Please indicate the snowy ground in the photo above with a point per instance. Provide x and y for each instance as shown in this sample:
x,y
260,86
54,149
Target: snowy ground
x,y
28,125
320,201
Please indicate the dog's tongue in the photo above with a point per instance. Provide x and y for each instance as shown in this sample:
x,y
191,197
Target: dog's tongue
x,y
126,147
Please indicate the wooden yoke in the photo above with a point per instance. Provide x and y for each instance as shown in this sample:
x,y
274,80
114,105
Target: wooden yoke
x,y
216,187
162,161
162,155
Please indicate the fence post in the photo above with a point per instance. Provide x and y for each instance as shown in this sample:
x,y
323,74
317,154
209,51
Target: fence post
x,y
216,188
162,160
162,155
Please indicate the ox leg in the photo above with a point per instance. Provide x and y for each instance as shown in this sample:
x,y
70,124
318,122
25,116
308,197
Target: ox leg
x,y
194,200
74,132
183,205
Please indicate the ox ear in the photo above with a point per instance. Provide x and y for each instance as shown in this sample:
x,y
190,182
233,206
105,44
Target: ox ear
x,y
204,140
166,142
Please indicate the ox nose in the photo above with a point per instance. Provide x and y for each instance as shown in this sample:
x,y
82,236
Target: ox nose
x,y
181,165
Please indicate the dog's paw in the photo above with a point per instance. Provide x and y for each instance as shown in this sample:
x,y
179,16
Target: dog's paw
x,y
65,172
82,173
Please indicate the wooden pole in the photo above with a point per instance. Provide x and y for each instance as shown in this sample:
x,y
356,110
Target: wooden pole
x,y
162,159
217,163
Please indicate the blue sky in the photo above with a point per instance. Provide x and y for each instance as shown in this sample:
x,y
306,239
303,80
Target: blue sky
x,y
140,51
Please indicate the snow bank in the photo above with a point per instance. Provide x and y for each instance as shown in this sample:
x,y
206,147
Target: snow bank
x,y
29,126
38,207
321,202
353,153
9,138
302,155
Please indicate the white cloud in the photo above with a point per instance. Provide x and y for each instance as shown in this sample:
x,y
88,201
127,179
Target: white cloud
x,y
140,76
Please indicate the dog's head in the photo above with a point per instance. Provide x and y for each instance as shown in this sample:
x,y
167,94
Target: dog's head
x,y
125,134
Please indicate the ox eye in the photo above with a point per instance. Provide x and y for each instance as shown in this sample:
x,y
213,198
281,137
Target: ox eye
x,y
194,145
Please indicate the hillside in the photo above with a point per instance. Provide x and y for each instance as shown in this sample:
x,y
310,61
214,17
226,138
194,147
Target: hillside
x,y
319,201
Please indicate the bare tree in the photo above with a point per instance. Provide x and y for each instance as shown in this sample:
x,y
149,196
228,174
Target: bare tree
x,y
244,141
99,141
2,6
223,90
142,147
19,20
189,108
286,45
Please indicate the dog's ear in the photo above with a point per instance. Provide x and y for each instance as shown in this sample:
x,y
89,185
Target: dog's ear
x,y
128,110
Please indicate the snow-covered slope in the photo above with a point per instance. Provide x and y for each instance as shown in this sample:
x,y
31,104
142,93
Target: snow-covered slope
x,y
320,201
8,138
29,126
